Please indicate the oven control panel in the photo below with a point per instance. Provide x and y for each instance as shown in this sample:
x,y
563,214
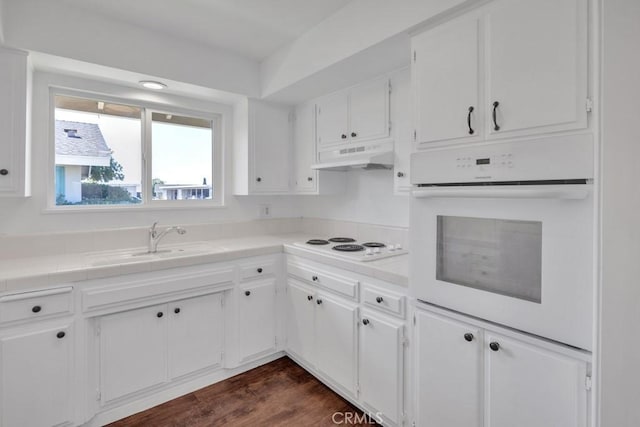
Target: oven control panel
x,y
503,160
549,158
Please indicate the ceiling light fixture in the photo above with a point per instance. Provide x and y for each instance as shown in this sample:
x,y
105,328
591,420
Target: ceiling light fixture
x,y
150,84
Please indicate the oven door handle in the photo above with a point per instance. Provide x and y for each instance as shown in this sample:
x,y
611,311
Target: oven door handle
x,y
566,192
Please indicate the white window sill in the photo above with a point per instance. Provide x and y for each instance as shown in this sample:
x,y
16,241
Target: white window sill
x,y
131,208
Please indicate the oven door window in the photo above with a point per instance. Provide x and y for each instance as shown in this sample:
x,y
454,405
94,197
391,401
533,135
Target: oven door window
x,y
493,255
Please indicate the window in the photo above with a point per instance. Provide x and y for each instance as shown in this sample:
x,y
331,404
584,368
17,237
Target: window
x,y
101,148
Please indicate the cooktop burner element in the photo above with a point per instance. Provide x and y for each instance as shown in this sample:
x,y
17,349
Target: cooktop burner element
x,y
374,245
342,240
317,242
348,248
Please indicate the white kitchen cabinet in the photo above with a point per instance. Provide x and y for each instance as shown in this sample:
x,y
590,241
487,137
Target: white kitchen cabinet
x,y
521,64
261,148
445,71
257,318
133,351
304,149
36,377
532,385
270,142
448,372
357,114
471,374
333,119
301,321
15,102
195,334
401,129
149,346
381,364
536,65
336,341
369,110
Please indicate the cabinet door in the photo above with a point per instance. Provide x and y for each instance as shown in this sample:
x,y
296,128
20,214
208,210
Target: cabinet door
x,y
449,372
270,135
445,74
300,322
13,122
257,317
537,65
304,148
401,129
381,365
332,119
336,341
529,386
133,351
36,378
369,111
195,334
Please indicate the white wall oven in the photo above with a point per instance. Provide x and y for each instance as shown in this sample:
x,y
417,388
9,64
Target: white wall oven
x,y
504,232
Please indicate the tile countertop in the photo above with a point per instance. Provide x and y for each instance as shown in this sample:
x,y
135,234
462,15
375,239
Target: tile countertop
x,y
40,272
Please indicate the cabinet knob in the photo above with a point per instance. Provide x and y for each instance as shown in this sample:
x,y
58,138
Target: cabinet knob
x,y
36,309
314,278
60,335
400,174
176,310
259,179
379,300
365,322
468,337
247,293
309,297
344,136
160,314
259,270
309,179
494,346
4,172
353,134
318,301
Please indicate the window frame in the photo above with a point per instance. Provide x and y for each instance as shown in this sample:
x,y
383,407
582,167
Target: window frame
x,y
147,110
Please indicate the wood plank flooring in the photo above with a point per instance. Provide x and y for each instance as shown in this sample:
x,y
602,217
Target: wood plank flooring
x,y
279,393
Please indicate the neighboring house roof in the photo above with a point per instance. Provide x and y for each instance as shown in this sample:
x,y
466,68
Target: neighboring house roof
x,y
77,140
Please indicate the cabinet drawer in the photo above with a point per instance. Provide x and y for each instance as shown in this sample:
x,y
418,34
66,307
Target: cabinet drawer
x,y
341,285
383,300
258,268
32,305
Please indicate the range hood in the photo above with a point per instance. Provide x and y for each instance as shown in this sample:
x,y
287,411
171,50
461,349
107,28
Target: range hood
x,y
343,158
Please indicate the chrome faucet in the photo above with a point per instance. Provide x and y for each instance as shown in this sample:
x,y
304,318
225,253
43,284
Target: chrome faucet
x,y
155,236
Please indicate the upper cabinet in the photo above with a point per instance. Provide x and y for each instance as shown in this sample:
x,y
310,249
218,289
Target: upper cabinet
x,y
304,149
262,148
358,114
401,130
15,88
446,82
512,68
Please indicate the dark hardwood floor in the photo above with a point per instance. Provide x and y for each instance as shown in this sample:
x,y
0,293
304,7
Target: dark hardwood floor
x,y
279,393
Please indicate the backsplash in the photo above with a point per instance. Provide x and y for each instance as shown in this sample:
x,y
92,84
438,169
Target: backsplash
x,y
43,244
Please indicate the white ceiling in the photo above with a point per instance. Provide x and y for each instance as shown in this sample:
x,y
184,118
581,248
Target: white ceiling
x,y
252,28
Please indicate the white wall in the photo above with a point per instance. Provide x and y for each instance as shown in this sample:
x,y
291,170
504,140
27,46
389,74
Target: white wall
x,y
368,198
57,28
1,21
359,25
18,216
620,269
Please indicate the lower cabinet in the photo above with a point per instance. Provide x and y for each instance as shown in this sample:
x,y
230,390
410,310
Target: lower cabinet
x,y
36,377
257,318
470,376
301,321
146,347
336,340
381,365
